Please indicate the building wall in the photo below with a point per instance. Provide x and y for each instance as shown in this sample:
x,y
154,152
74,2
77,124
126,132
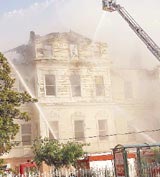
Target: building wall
x,y
126,105
134,109
66,115
129,106
66,108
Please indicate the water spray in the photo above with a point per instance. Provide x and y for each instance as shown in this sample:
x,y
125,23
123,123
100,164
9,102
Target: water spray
x,y
31,94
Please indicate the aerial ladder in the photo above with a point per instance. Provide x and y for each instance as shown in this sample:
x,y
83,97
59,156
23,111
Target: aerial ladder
x,y
111,5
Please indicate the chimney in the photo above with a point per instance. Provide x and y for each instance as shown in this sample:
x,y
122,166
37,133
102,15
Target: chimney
x,y
32,38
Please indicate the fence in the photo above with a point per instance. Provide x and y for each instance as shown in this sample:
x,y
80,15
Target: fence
x,y
146,170
99,172
151,170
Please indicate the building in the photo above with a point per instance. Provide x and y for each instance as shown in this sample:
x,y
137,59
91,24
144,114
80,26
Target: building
x,y
81,97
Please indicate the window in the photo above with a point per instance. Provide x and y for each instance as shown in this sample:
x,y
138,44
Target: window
x,y
40,52
79,130
48,50
45,51
26,134
50,85
73,50
75,85
128,92
99,84
102,126
55,128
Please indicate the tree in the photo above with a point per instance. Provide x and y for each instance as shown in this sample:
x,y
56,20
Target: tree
x,y
71,152
57,154
10,102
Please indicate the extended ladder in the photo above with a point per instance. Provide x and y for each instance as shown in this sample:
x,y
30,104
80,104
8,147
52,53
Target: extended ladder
x,y
110,5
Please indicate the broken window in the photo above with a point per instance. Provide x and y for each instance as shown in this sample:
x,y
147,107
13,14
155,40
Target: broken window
x,y
55,129
73,50
50,85
45,51
48,50
26,134
75,85
79,130
102,127
40,52
99,84
128,92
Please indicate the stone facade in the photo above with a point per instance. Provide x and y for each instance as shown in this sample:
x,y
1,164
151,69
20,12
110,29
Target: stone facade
x,y
83,103
82,97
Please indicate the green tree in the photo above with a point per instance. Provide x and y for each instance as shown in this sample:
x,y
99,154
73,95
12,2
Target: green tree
x,y
57,154
71,152
10,102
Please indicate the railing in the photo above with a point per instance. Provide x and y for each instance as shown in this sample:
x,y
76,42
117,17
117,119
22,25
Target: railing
x,y
99,172
147,170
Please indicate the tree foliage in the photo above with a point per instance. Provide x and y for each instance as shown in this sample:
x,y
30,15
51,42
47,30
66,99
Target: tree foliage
x,y
57,154
10,102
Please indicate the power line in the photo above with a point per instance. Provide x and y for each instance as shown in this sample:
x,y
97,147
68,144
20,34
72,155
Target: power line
x,y
101,136
118,134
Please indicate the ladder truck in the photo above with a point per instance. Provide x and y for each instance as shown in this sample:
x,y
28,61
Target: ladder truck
x,y
111,5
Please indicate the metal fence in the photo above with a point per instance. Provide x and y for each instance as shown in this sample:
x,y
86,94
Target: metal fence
x,y
145,170
151,170
99,172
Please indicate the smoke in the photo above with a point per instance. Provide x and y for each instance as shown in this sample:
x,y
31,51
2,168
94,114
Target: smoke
x,y
85,17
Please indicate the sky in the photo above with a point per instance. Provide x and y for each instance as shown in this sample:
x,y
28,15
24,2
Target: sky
x,y
19,17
